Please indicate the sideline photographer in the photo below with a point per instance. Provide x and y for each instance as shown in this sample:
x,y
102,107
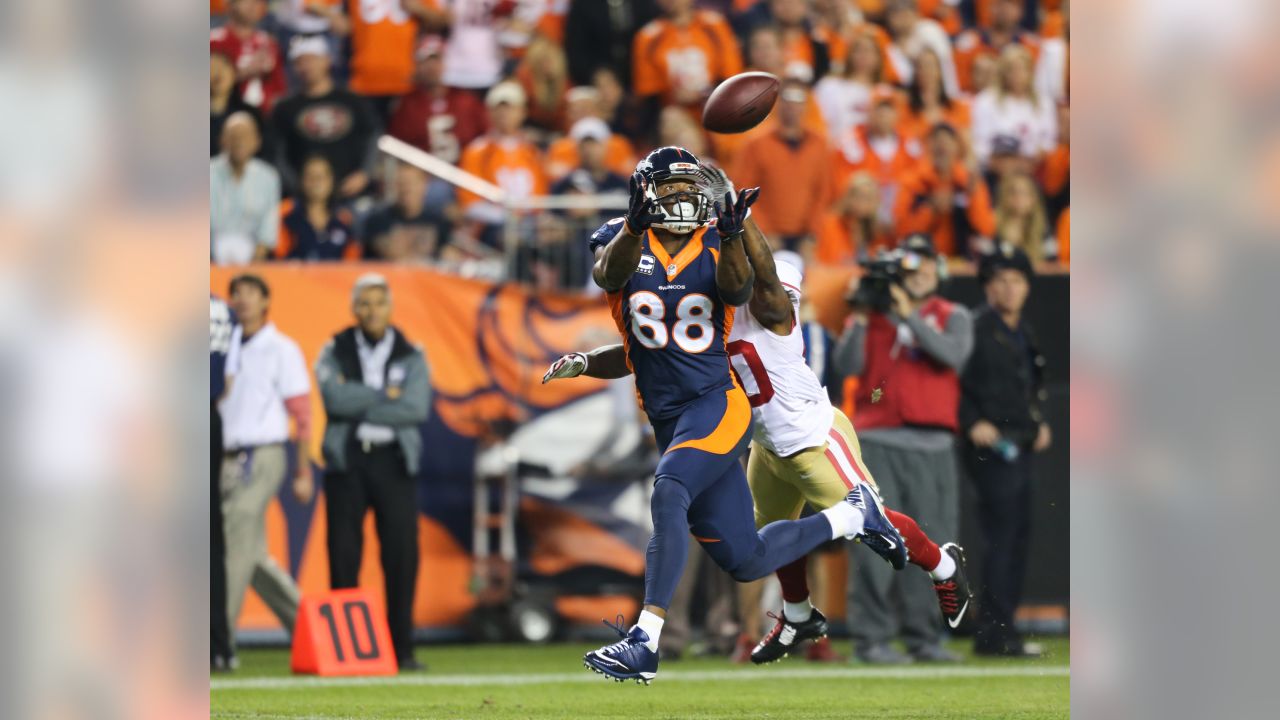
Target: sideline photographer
x,y
907,346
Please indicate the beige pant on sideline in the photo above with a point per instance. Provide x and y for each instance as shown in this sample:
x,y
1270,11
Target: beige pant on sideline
x,y
244,509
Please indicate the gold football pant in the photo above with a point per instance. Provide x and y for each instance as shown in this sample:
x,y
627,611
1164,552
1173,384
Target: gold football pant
x,y
820,476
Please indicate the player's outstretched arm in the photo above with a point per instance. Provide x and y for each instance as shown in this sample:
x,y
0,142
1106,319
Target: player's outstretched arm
x,y
770,304
606,363
619,258
734,276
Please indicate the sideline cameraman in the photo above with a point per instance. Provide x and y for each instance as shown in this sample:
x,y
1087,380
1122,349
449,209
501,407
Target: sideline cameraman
x,y
907,346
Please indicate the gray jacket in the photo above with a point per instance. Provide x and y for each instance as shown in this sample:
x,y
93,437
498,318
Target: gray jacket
x,y
348,401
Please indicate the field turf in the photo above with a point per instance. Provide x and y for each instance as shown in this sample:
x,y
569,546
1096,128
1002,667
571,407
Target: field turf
x,y
521,681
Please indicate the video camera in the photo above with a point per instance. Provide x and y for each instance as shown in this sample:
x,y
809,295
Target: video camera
x,y
873,290
890,268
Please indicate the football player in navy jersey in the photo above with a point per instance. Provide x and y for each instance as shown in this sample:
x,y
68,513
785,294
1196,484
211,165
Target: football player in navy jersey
x,y
674,280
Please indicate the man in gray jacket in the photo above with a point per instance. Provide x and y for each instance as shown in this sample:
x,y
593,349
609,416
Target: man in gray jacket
x,y
377,393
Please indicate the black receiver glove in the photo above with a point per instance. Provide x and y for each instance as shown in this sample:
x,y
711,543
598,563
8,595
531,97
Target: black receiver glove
x,y
732,215
640,211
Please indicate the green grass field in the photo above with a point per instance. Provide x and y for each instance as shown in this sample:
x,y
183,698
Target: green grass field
x,y
521,681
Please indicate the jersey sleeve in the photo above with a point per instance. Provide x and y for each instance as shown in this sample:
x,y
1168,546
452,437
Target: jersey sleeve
x,y
604,234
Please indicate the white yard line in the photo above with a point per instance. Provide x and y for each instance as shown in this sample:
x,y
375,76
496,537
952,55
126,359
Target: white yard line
x,y
586,676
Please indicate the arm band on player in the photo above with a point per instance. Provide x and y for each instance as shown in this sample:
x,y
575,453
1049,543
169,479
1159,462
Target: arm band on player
x,y
299,408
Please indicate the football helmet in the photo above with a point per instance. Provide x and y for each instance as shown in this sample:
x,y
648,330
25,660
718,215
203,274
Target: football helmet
x,y
682,211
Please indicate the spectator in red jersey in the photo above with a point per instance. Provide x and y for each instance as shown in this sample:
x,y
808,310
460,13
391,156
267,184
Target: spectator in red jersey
x,y
1005,30
324,119
544,75
438,119
1012,107
845,99
224,101
312,225
259,69
944,199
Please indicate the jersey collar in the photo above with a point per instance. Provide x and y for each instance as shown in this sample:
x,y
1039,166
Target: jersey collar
x,y
688,253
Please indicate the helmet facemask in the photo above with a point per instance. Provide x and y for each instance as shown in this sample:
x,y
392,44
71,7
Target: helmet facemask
x,y
683,211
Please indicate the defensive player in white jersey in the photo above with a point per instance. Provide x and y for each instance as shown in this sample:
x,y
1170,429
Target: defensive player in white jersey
x,y
803,450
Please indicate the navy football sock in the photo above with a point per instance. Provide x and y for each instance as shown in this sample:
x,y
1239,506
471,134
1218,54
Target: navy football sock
x,y
669,545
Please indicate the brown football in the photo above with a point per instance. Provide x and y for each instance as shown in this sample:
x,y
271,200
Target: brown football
x,y
740,102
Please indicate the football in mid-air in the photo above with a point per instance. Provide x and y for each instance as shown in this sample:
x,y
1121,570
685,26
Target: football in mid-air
x,y
740,102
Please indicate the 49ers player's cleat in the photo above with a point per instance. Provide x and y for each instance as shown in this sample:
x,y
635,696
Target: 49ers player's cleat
x,y
953,593
786,635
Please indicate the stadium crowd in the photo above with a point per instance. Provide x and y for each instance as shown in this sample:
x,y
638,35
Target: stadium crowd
x,y
944,117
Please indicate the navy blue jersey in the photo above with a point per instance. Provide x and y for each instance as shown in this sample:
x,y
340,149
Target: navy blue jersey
x,y
222,338
672,321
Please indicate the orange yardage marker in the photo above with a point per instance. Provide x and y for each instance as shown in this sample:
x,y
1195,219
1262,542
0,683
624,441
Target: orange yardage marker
x,y
343,632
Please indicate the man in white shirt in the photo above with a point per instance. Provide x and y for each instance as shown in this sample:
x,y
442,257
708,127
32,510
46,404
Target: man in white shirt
x,y
377,394
271,387
244,196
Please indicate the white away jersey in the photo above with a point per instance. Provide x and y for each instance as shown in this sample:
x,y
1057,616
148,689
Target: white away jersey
x,y
790,408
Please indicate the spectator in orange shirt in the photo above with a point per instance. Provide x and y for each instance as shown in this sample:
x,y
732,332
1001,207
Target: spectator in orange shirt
x,y
438,119
680,57
845,99
791,165
383,34
562,155
503,157
1004,31
544,75
945,199
1020,217
928,102
259,66
878,148
855,228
